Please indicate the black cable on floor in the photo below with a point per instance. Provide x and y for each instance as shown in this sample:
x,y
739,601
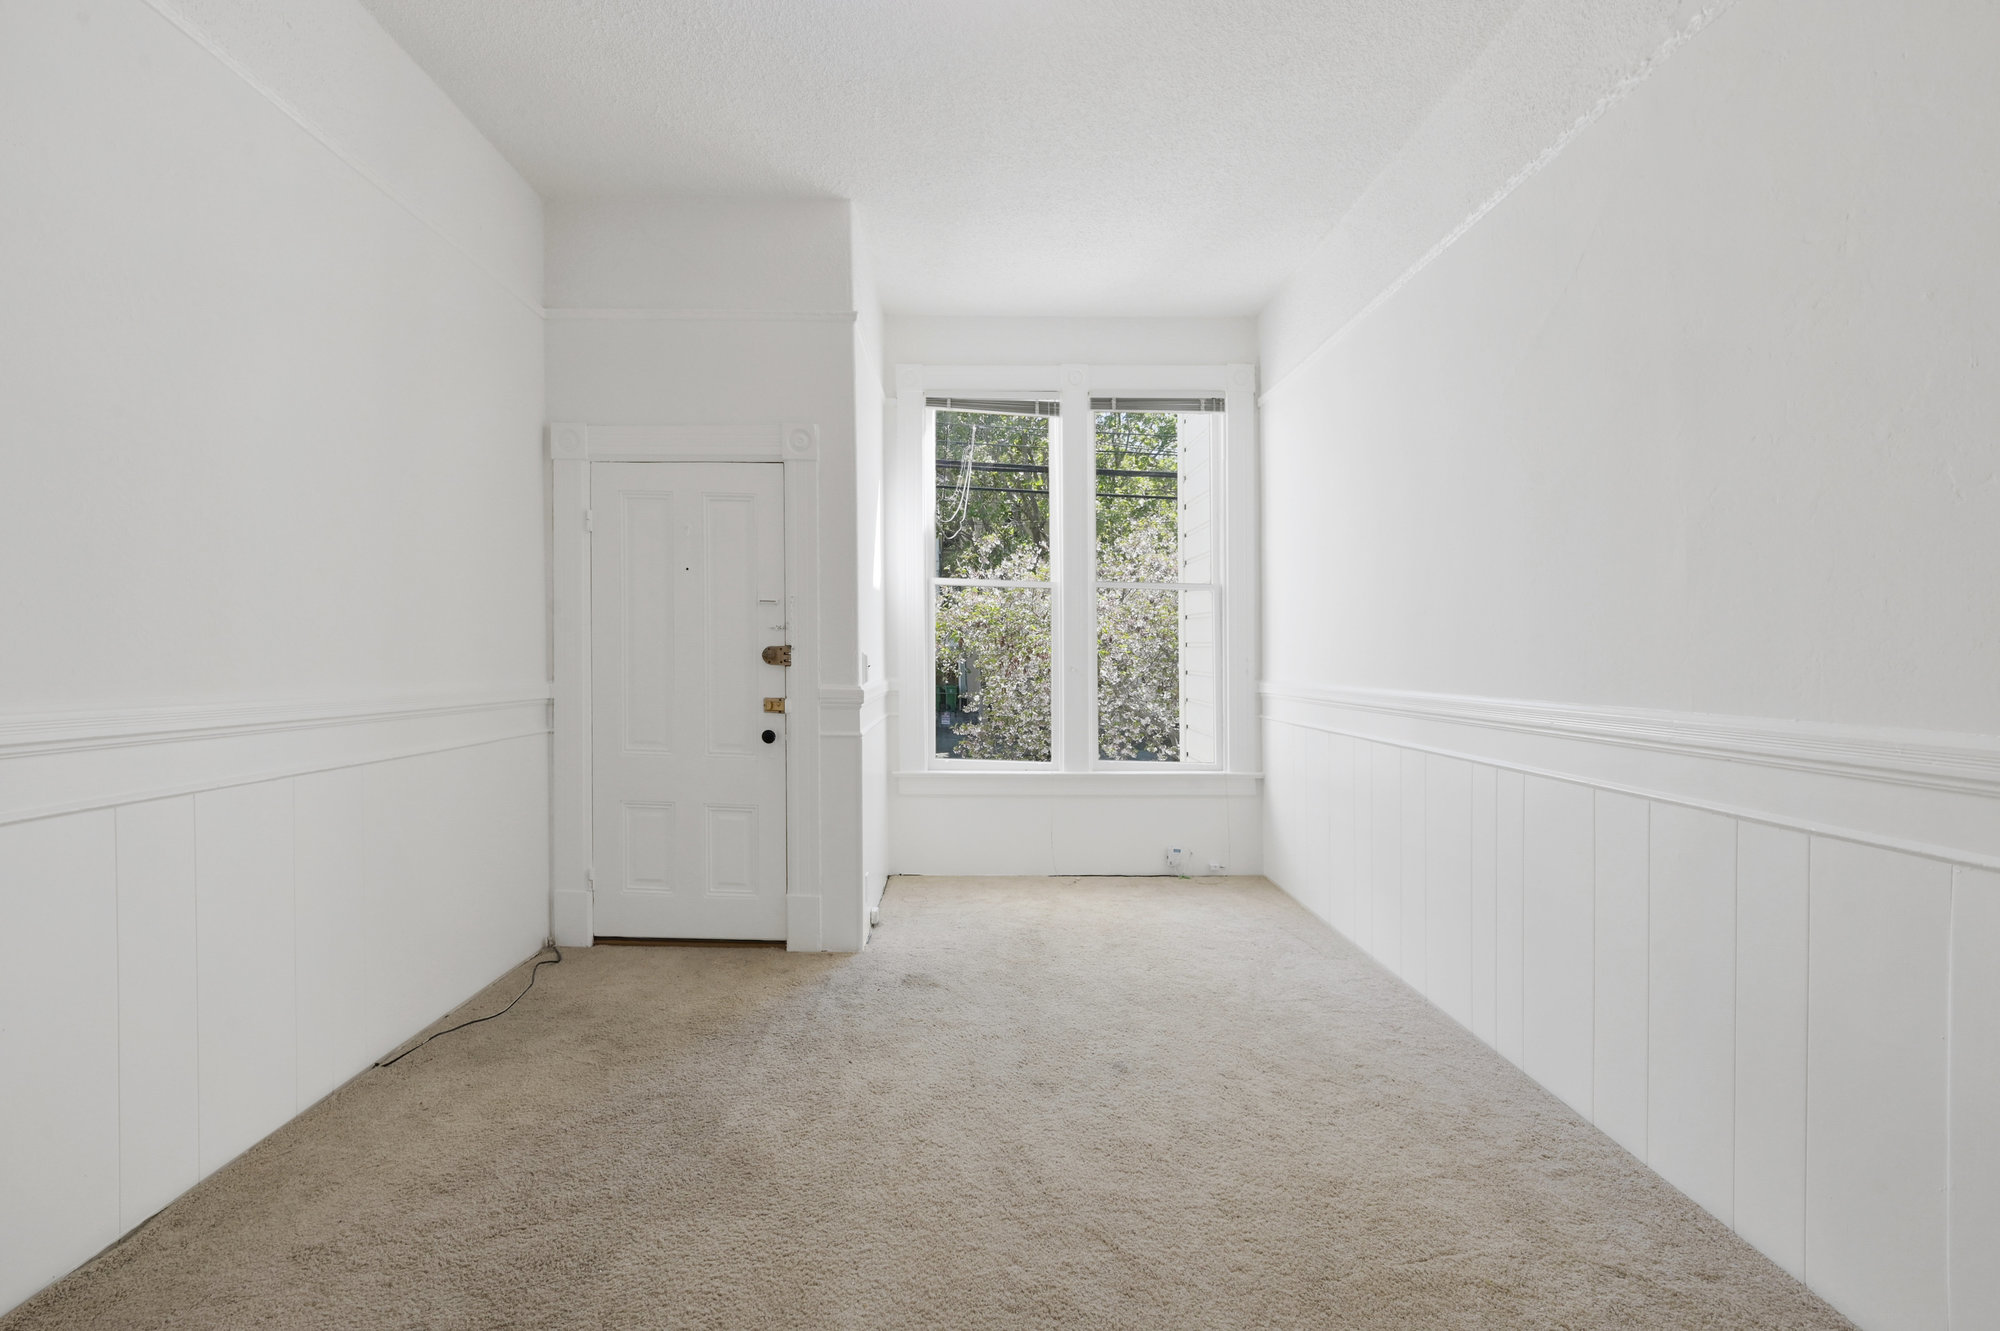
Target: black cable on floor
x,y
476,1020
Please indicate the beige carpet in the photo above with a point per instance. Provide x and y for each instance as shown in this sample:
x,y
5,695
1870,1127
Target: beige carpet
x,y
1089,1103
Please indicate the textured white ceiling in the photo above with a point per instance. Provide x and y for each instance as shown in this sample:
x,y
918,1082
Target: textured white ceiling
x,y
1006,156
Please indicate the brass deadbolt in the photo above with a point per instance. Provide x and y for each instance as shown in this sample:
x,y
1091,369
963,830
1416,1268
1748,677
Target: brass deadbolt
x,y
778,655
774,704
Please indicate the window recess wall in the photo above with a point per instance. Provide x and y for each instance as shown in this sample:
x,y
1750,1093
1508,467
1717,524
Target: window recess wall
x,y
1072,604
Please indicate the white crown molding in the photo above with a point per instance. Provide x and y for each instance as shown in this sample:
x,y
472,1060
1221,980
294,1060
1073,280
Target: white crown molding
x,y
662,314
24,734
60,763
1934,760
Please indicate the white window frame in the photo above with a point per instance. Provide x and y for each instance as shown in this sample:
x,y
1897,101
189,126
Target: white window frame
x,y
1073,573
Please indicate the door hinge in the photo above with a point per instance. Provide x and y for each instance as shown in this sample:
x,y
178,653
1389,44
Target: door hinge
x,y
778,656
590,880
590,519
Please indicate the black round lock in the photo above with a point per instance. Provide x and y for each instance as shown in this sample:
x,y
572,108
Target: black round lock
x,y
770,737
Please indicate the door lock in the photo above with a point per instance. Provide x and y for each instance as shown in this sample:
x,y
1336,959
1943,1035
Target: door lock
x,y
774,704
778,656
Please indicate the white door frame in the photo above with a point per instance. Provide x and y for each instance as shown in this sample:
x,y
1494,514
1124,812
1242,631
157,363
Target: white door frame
x,y
573,448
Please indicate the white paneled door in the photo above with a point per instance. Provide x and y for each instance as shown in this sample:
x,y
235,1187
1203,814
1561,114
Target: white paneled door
x,y
688,766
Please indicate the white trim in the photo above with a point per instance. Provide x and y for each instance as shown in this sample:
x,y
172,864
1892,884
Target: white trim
x,y
850,711
1935,760
26,733
78,761
573,447
1070,785
1740,812
571,441
578,313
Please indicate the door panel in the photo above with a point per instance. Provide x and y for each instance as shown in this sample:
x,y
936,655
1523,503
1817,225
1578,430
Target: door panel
x,y
687,589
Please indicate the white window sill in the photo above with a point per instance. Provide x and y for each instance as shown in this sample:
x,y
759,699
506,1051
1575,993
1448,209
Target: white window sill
x,y
1071,784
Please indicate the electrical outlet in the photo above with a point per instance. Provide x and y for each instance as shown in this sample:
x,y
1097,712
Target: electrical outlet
x,y
1214,867
1179,860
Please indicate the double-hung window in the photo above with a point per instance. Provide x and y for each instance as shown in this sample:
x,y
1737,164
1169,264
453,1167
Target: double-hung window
x,y
1074,608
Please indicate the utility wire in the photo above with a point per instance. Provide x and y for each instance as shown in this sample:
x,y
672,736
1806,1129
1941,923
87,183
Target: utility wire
x,y
557,961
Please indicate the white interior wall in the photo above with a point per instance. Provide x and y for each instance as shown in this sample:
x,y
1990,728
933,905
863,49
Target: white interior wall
x,y
670,312
1629,641
273,706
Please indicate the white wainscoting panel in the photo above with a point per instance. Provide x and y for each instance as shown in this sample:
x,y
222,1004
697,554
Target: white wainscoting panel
x,y
1484,940
158,1096
1410,891
247,978
1799,1030
1509,829
191,972
1691,1004
1447,938
1771,961
1386,922
1342,793
1558,939
1876,1093
1618,1037
1975,1097
347,920
59,1048
1316,760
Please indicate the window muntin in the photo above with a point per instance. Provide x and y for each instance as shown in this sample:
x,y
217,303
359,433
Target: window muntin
x,y
992,608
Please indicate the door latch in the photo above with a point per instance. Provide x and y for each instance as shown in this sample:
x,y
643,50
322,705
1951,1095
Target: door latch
x,y
774,704
778,656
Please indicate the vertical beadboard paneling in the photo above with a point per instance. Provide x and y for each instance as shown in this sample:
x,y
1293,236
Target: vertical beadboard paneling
x,y
342,920
1691,1035
1411,948
1769,1207
1975,1099
1340,834
58,1071
1509,830
1386,925
1483,994
1619,1040
1448,886
487,888
243,892
159,1108
1315,835
1557,939
1879,934
1363,932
